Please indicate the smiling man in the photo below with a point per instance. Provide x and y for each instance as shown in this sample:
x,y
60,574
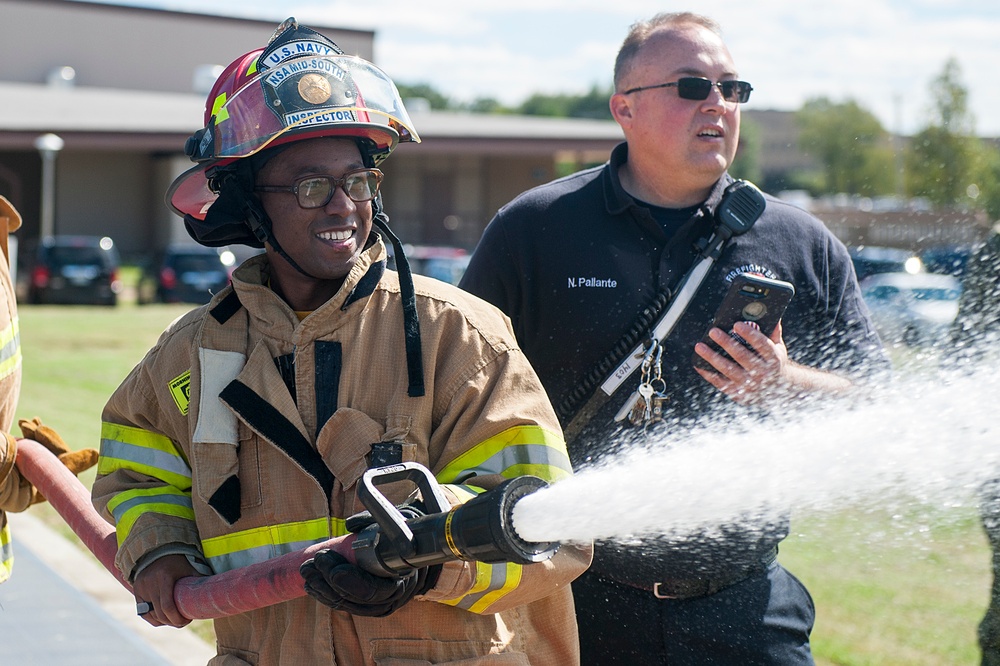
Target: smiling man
x,y
635,227
243,434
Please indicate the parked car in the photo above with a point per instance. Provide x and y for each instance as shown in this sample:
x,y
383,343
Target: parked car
x,y
185,273
913,308
69,270
948,259
441,262
871,259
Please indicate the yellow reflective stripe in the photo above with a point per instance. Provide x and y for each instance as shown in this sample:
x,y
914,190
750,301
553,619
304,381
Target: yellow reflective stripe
x,y
240,549
219,111
514,452
512,580
10,348
6,553
128,506
10,332
123,528
465,493
122,500
493,582
151,454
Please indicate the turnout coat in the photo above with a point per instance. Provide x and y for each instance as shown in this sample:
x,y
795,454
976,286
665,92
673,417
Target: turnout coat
x,y
242,434
15,491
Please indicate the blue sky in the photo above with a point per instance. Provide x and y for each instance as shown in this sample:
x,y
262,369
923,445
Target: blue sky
x,y
881,53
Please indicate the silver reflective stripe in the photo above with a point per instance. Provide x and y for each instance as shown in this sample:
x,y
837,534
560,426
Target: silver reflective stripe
x,y
498,578
243,558
112,448
10,349
519,454
168,498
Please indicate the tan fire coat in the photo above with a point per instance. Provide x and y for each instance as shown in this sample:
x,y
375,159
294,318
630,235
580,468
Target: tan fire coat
x,y
15,492
209,445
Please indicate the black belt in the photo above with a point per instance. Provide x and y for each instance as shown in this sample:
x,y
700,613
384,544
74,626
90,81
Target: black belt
x,y
692,588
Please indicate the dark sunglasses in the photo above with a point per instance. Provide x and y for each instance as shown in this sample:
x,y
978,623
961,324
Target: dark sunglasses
x,y
692,87
360,185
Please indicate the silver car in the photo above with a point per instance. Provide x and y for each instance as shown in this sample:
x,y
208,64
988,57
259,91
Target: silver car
x,y
912,308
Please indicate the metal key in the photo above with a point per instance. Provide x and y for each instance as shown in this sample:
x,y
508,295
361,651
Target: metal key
x,y
645,399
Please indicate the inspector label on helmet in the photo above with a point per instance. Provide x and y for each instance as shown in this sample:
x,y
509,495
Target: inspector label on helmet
x,y
313,118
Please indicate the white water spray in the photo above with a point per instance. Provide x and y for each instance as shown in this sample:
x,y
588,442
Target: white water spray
x,y
930,439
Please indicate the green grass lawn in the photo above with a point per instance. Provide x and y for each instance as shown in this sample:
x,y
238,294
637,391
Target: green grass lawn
x,y
893,589
888,589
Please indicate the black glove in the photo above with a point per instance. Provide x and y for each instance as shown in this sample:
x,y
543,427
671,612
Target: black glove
x,y
334,582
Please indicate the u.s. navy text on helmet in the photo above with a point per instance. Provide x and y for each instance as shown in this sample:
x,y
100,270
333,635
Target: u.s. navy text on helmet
x,y
296,49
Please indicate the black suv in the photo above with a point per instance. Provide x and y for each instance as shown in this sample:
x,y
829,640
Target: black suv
x,y
185,273
69,270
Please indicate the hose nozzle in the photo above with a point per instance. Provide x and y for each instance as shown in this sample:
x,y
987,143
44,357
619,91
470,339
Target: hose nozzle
x,y
482,529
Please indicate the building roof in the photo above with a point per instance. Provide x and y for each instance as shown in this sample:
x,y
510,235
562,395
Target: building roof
x,y
42,108
112,118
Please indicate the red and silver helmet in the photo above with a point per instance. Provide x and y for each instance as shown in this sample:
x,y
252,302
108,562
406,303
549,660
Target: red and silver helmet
x,y
300,86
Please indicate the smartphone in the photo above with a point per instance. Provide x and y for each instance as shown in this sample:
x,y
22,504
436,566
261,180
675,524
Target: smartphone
x,y
751,298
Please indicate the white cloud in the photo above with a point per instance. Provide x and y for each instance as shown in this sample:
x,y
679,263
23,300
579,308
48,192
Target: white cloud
x,y
882,53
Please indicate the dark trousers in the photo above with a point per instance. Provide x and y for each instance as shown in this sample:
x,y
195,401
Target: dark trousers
x,y
989,628
763,620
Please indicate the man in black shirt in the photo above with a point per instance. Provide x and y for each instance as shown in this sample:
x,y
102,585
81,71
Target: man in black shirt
x,y
575,264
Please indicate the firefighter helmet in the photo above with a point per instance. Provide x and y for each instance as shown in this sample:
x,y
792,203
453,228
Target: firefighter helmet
x,y
300,86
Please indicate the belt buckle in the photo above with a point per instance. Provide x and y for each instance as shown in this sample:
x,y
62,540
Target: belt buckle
x,y
656,592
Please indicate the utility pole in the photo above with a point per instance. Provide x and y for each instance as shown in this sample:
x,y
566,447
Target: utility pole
x,y
48,145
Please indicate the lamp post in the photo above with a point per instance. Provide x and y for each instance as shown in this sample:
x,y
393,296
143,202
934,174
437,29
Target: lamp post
x,y
48,145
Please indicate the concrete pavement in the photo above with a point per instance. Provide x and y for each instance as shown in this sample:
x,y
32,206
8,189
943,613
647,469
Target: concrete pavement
x,y
62,608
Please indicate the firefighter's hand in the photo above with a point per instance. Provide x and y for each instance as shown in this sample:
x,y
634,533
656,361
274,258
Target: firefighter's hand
x,y
331,580
154,590
75,461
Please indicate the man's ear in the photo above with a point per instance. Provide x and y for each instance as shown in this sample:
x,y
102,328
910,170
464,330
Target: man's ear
x,y
621,109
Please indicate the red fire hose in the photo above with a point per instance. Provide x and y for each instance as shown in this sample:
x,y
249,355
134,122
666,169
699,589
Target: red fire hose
x,y
198,598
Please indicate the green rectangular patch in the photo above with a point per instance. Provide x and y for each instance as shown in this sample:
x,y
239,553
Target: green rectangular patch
x,y
180,389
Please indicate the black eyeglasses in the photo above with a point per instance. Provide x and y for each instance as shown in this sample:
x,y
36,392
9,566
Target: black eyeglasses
x,y
692,87
360,185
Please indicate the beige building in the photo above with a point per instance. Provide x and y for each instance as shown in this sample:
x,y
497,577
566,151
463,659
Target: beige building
x,y
124,87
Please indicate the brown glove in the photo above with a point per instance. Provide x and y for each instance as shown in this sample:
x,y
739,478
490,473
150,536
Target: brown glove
x,y
75,461
15,491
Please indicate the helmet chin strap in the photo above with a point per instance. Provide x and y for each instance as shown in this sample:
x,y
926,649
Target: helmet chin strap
x,y
411,322
260,224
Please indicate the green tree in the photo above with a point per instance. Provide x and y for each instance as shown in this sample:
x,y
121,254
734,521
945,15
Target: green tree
x,y
988,186
747,162
850,143
436,99
594,104
487,105
944,156
546,105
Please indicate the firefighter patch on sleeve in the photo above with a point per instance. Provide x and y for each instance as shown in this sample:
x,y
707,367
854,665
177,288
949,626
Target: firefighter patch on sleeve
x,y
180,389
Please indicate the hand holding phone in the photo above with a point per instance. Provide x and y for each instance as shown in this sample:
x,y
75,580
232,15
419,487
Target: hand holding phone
x,y
751,298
